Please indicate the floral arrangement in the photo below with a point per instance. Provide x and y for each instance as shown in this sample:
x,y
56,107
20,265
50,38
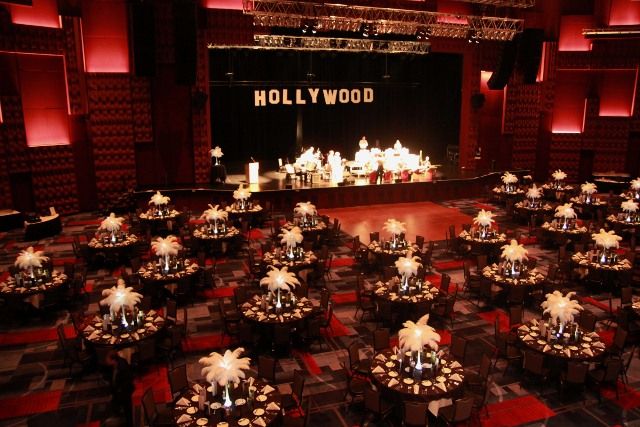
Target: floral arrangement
x,y
159,200
111,223
561,308
279,279
305,208
225,369
29,259
394,227
635,184
559,175
414,336
166,248
120,297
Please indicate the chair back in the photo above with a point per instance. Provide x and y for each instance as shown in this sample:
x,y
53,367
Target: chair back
x,y
577,372
612,370
146,350
172,311
62,340
462,409
372,399
458,348
620,338
466,267
297,388
626,296
485,367
354,354
552,273
445,281
178,379
240,295
281,335
587,321
516,295
481,261
325,297
388,272
267,368
515,315
381,339
533,362
374,236
415,413
149,406
420,242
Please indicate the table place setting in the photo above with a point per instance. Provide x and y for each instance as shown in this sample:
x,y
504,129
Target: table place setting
x,y
242,203
605,256
215,227
417,291
159,209
34,276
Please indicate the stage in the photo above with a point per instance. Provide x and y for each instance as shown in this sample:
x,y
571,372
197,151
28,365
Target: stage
x,y
283,194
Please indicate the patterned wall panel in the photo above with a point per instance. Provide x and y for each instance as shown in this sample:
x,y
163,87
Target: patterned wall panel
x,y
54,178
141,105
111,129
200,115
165,39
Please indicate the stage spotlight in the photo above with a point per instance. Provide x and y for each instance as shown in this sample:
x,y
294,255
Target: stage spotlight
x,y
309,26
473,36
423,33
366,30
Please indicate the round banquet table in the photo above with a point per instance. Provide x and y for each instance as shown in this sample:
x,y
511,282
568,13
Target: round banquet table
x,y
489,245
252,213
159,223
589,346
527,211
261,311
531,278
260,410
310,232
605,273
410,304
150,273
554,233
215,241
113,250
275,258
121,338
383,255
552,191
436,388
619,223
33,292
588,210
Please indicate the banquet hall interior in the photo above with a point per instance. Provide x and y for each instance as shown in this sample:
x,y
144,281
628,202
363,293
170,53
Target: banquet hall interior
x,y
299,213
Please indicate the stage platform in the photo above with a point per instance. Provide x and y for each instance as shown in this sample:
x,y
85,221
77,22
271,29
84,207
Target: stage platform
x,y
284,194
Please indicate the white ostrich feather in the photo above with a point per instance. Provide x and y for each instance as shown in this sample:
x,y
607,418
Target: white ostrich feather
x,y
509,178
215,214
635,184
241,193
393,226
292,237
561,307
158,199
559,175
414,336
484,218
408,266
305,208
565,211
629,206
111,223
514,252
30,258
607,240
225,369
588,188
279,279
120,296
166,247
216,152
534,192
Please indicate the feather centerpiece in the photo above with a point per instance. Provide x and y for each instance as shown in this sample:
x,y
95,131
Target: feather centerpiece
x,y
415,336
534,192
120,297
111,223
559,175
484,218
305,208
588,188
408,266
159,200
561,308
509,178
241,193
216,152
168,246
635,184
291,238
514,252
29,259
565,211
394,227
629,206
279,279
225,369
214,214
606,240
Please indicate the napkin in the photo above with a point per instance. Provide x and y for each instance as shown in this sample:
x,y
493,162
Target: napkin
x,y
259,422
527,338
113,340
89,328
158,319
135,336
281,318
262,317
184,418
455,377
267,389
395,350
152,328
567,352
303,299
441,386
381,357
587,351
434,290
534,322
546,348
524,328
392,382
246,305
455,364
598,344
297,314
183,402
197,388
273,406
377,370
413,299
94,335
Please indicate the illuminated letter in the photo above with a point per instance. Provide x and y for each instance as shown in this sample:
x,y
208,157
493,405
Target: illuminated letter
x,y
355,96
329,96
259,98
343,96
314,95
274,96
299,100
368,94
285,97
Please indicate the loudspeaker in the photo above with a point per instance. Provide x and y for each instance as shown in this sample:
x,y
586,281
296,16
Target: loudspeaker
x,y
530,54
144,38
507,60
185,31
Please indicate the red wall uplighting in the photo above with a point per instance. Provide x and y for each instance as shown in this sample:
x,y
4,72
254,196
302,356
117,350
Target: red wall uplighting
x,y
455,8
222,4
624,12
571,38
104,28
617,92
44,99
43,13
570,101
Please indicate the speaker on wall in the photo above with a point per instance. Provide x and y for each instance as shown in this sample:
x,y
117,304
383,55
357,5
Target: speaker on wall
x,y
184,14
530,54
144,39
501,74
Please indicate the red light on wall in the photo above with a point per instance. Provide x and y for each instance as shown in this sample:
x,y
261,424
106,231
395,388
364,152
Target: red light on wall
x,y
454,8
624,12
544,62
222,4
104,36
617,92
44,99
571,38
569,107
43,13
1,111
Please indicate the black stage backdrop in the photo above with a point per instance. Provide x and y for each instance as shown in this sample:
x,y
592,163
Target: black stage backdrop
x,y
416,100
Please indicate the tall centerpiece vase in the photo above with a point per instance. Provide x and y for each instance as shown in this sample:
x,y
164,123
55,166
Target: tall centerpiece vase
x,y
404,282
606,256
215,226
113,236
290,254
484,231
124,318
166,263
217,161
227,396
31,272
278,301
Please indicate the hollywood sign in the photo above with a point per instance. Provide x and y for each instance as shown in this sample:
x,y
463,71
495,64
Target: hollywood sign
x,y
263,97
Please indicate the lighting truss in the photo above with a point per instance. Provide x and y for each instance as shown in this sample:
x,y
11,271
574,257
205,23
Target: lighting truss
x,y
615,32
268,41
505,3
339,17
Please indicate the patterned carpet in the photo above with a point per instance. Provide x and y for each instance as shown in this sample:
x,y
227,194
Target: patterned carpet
x,y
36,389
